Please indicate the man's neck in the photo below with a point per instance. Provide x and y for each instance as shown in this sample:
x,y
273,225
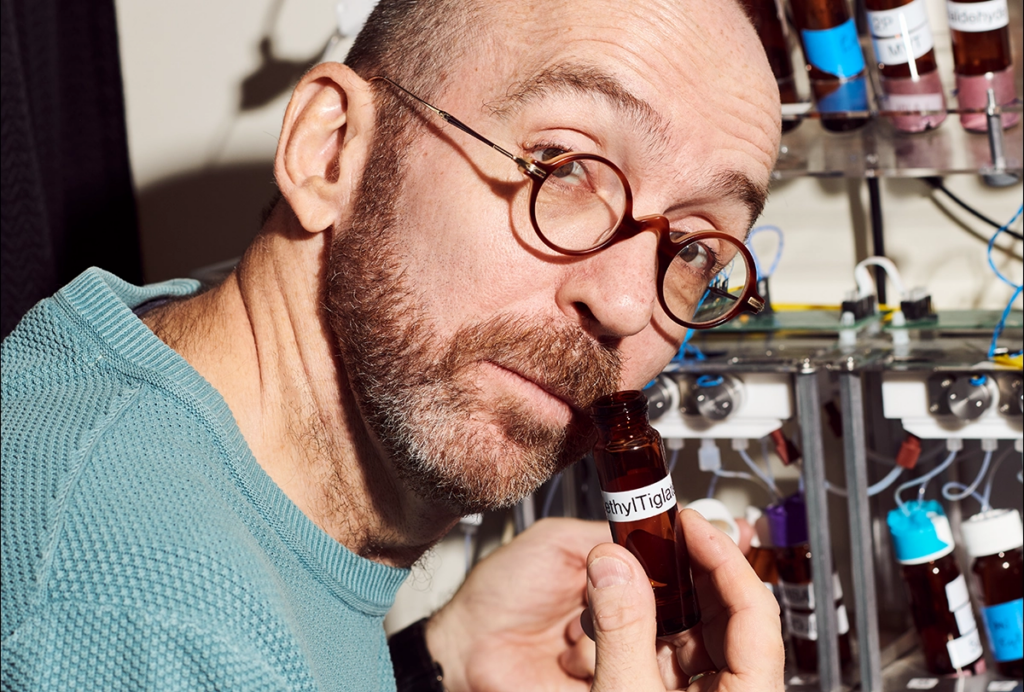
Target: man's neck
x,y
260,340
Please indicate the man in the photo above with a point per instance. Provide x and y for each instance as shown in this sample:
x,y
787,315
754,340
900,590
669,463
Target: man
x,y
227,493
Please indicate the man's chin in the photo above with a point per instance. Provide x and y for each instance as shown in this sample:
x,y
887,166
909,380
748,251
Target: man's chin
x,y
483,484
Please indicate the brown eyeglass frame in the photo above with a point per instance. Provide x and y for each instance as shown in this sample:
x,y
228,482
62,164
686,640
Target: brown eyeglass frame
x,y
749,301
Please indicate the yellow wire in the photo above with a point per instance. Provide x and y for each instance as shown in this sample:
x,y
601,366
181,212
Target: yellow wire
x,y
1010,361
796,307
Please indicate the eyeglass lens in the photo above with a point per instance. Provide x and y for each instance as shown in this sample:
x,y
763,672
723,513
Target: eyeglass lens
x,y
580,205
705,280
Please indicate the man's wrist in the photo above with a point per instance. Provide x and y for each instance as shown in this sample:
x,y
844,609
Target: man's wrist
x,y
415,669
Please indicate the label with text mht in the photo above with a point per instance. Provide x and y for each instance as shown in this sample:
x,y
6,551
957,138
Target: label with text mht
x,y
901,34
642,503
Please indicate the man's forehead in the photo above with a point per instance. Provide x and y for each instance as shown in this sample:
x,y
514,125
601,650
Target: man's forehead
x,y
633,113
583,80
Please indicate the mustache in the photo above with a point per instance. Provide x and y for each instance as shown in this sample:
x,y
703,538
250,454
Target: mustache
x,y
562,359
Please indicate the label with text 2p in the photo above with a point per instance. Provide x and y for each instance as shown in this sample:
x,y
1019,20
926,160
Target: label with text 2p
x,y
642,503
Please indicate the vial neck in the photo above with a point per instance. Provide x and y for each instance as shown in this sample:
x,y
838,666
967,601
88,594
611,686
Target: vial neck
x,y
622,414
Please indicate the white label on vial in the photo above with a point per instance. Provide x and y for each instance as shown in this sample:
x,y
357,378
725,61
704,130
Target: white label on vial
x,y
965,621
797,595
914,102
956,593
899,33
977,16
922,683
802,625
843,620
1002,686
805,625
964,650
642,503
802,595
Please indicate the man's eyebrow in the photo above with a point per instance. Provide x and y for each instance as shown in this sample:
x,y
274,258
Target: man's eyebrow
x,y
584,80
740,187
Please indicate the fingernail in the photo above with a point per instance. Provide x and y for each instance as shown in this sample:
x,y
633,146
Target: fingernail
x,y
607,571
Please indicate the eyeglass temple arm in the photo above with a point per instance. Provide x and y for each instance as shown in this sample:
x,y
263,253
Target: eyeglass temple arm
x,y
753,304
527,166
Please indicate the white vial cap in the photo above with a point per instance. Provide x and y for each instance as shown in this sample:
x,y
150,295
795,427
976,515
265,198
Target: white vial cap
x,y
718,515
995,531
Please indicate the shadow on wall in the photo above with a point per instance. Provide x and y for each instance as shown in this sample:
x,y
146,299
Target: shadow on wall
x,y
202,217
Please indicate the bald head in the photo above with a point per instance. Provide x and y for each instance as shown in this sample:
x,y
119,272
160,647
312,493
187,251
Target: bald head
x,y
422,45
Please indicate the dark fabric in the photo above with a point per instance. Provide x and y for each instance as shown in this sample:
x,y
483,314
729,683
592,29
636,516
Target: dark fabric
x,y
67,201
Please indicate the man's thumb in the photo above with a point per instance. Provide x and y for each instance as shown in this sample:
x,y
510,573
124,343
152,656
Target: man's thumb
x,y
623,618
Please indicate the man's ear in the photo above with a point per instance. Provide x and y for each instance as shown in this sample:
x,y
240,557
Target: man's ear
x,y
324,145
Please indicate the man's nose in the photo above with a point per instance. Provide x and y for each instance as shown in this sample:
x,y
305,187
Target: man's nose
x,y
614,291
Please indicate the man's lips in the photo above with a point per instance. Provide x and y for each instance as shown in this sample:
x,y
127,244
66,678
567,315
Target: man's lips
x,y
540,382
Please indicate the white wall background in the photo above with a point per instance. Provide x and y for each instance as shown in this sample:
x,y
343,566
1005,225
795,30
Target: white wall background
x,y
202,167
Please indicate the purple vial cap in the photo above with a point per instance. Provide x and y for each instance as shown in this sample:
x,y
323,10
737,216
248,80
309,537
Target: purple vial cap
x,y
787,520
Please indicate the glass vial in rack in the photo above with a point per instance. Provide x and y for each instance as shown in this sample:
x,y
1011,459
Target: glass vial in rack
x,y
905,51
939,602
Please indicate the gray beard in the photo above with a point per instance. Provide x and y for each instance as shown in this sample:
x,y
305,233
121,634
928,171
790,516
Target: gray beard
x,y
413,389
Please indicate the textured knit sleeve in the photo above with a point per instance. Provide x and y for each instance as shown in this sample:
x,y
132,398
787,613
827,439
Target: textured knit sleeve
x,y
72,645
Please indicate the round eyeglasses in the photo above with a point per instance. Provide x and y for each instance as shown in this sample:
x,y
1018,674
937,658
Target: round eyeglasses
x,y
582,203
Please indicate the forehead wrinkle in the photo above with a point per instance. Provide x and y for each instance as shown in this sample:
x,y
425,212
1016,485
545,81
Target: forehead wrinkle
x,y
584,80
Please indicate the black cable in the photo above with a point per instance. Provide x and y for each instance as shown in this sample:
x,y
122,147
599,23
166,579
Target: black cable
x,y
877,235
936,184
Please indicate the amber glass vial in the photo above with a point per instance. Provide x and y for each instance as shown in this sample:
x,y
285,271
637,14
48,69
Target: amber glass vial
x,y
939,601
835,63
982,58
978,52
994,540
788,522
770,22
904,48
761,556
641,505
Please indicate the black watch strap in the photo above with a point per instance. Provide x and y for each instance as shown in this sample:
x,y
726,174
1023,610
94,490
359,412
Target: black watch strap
x,y
415,669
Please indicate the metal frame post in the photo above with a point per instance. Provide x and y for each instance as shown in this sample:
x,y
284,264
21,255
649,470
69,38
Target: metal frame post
x,y
861,549
808,407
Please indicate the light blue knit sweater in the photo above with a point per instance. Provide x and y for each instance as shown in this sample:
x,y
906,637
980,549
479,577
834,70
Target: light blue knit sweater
x,y
143,546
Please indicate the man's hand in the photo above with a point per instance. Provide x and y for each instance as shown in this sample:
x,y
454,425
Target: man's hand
x,y
514,623
736,647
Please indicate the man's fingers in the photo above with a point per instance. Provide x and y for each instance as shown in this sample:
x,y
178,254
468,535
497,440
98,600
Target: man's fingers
x,y
712,553
740,616
578,659
691,651
623,620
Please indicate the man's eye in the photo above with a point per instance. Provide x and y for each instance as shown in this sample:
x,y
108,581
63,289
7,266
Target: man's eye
x,y
697,256
571,172
549,153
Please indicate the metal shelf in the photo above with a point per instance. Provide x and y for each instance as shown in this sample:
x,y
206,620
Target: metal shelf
x,y
879,150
